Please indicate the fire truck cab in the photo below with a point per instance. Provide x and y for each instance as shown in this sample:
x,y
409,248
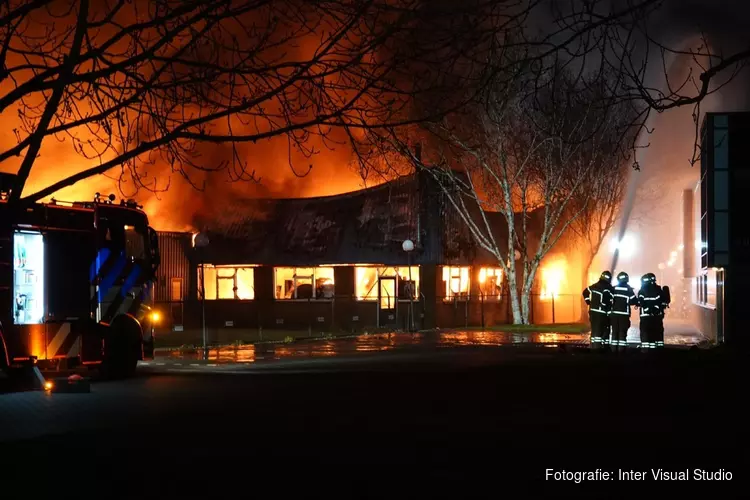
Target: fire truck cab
x,y
76,285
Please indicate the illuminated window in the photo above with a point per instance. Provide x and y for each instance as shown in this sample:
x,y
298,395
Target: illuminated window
x,y
490,281
705,288
175,294
366,282
228,282
711,287
304,283
456,282
28,278
553,277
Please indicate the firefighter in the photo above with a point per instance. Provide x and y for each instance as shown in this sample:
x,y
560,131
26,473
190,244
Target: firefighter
x,y
599,299
623,298
652,300
666,299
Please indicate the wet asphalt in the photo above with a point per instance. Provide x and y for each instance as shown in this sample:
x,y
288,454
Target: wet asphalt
x,y
424,421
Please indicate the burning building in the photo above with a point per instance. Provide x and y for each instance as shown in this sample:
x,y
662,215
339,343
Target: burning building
x,y
339,263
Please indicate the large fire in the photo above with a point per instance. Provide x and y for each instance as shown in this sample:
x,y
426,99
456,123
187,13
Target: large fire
x,y
175,208
553,278
286,166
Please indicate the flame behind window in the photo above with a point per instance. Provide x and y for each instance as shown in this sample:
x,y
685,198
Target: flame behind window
x,y
490,281
366,281
228,282
456,281
553,278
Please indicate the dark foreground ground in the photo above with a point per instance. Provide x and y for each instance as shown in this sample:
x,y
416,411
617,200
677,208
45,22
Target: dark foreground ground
x,y
462,422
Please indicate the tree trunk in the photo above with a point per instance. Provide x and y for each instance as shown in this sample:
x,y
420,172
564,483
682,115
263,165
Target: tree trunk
x,y
526,306
528,287
514,299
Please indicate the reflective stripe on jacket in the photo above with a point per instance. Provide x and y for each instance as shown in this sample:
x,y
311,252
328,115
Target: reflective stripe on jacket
x,y
623,298
599,297
651,301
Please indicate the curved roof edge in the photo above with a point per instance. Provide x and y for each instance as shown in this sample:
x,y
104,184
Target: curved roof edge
x,y
347,194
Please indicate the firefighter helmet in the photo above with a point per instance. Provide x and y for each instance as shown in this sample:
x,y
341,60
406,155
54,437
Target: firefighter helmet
x,y
623,277
606,276
648,278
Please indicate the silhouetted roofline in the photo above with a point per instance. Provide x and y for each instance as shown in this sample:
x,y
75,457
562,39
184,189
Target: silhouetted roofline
x,y
338,196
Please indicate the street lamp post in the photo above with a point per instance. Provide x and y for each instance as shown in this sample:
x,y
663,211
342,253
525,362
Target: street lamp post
x,y
200,242
408,247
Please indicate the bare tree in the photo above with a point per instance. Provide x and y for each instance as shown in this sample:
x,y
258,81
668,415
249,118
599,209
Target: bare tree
x,y
666,66
666,53
130,84
527,152
598,204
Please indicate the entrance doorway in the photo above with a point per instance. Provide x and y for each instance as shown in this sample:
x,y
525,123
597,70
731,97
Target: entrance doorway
x,y
387,301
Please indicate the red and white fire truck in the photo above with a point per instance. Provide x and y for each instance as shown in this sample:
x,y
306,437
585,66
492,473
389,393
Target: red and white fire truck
x,y
76,284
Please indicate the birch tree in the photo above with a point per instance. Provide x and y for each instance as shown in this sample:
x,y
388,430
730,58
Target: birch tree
x,y
528,151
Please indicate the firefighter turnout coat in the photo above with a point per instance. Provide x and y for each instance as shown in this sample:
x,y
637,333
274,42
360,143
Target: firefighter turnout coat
x,y
599,299
623,298
653,301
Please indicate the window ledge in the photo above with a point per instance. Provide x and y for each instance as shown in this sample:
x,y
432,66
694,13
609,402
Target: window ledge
x,y
705,306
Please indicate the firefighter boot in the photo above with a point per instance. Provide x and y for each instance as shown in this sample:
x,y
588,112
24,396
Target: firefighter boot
x,y
620,332
614,343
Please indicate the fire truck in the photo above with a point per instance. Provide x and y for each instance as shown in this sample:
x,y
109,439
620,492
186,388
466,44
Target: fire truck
x,y
76,285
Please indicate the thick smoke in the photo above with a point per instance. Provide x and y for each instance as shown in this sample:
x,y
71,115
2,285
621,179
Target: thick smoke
x,y
665,164
280,172
169,196
666,171
173,202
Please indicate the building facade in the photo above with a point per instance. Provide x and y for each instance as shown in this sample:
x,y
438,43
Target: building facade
x,y
337,263
717,231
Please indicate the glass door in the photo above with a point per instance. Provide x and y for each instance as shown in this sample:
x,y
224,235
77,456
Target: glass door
x,y
387,301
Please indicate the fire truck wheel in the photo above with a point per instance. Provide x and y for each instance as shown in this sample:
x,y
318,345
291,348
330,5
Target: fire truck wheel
x,y
122,340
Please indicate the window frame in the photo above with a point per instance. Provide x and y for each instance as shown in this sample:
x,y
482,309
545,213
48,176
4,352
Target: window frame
x,y
380,271
450,295
497,273
702,297
176,281
131,234
236,268
312,279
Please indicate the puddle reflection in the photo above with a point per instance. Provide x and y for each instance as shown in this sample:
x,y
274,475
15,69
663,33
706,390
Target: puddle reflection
x,y
374,343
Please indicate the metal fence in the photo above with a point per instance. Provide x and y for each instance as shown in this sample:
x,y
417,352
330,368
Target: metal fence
x,y
346,313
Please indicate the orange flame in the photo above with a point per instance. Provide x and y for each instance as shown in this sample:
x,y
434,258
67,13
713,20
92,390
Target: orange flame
x,y
176,208
553,278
